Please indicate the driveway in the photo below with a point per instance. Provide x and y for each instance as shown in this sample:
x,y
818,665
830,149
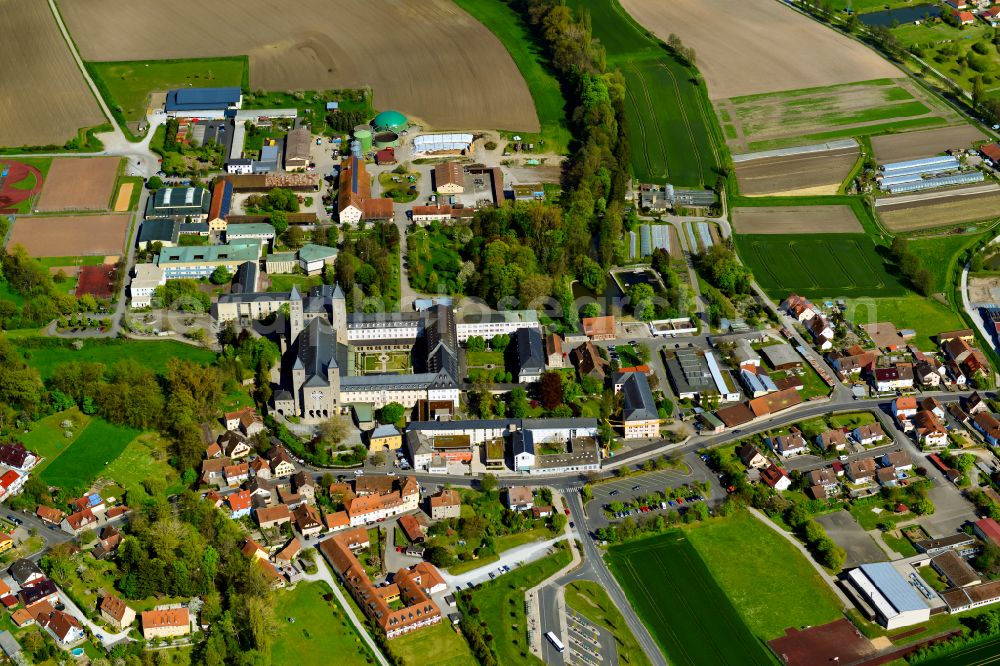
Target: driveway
x,y
511,558
846,533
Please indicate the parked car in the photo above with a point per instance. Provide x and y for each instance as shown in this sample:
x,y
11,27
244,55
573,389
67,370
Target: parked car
x,y
566,511
636,487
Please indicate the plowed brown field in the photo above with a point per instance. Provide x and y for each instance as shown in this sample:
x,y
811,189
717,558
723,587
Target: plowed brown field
x,y
427,58
747,47
79,183
43,96
70,236
796,219
790,173
914,145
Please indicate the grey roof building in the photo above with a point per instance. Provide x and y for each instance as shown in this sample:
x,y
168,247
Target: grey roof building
x,y
165,231
689,373
639,404
530,355
179,202
23,570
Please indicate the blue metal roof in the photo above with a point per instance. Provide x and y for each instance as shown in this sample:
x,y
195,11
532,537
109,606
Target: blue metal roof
x,y
893,587
192,99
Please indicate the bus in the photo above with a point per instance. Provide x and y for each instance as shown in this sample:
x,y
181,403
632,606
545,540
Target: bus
x,y
556,643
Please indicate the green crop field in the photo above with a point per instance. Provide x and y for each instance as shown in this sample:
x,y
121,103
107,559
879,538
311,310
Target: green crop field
x,y
91,452
768,598
550,105
687,613
45,354
980,653
673,132
320,630
818,265
126,85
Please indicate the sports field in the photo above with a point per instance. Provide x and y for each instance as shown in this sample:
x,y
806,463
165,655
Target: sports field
x,y
79,183
69,235
509,28
126,85
689,616
672,129
811,115
92,451
818,265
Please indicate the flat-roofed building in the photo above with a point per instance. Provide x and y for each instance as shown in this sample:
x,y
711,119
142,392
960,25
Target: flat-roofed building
x,y
201,261
895,602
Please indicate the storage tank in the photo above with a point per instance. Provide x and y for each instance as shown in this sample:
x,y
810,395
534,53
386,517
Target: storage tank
x,y
386,139
364,136
356,149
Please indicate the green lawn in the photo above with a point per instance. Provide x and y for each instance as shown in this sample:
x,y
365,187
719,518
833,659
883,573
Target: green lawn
x,y
673,131
818,265
302,282
126,85
92,451
440,645
590,600
531,61
321,630
47,438
939,254
769,598
45,354
927,316
501,607
689,616
145,457
901,545
484,358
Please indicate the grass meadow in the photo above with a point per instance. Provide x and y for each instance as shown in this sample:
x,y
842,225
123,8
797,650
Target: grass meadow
x,y
530,59
673,132
126,85
96,447
47,354
818,265
926,316
440,645
320,631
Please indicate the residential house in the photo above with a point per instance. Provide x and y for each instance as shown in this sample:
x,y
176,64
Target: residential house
x,y
861,471
165,623
554,357
988,530
962,333
381,497
62,626
895,378
599,328
213,470
853,365
117,612
798,308
903,408
234,445
445,504
957,349
239,503
281,462
17,457
834,439
958,413
109,539
520,498
868,434
529,350
821,331
25,572
886,477
307,520
975,404
963,18
411,528
75,523
286,555
49,515
775,477
988,426
789,445
305,486
39,590
338,520
825,480
930,432
11,483
927,374
273,516
898,459
752,458
236,474
588,361
260,468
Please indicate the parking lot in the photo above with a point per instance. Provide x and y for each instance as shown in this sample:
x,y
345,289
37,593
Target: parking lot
x,y
846,533
587,643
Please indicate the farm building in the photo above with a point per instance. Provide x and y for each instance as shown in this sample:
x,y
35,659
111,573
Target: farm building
x,y
297,145
222,203
442,143
355,193
688,197
385,157
253,231
389,121
891,598
187,101
914,185
186,202
925,173
990,151
449,178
